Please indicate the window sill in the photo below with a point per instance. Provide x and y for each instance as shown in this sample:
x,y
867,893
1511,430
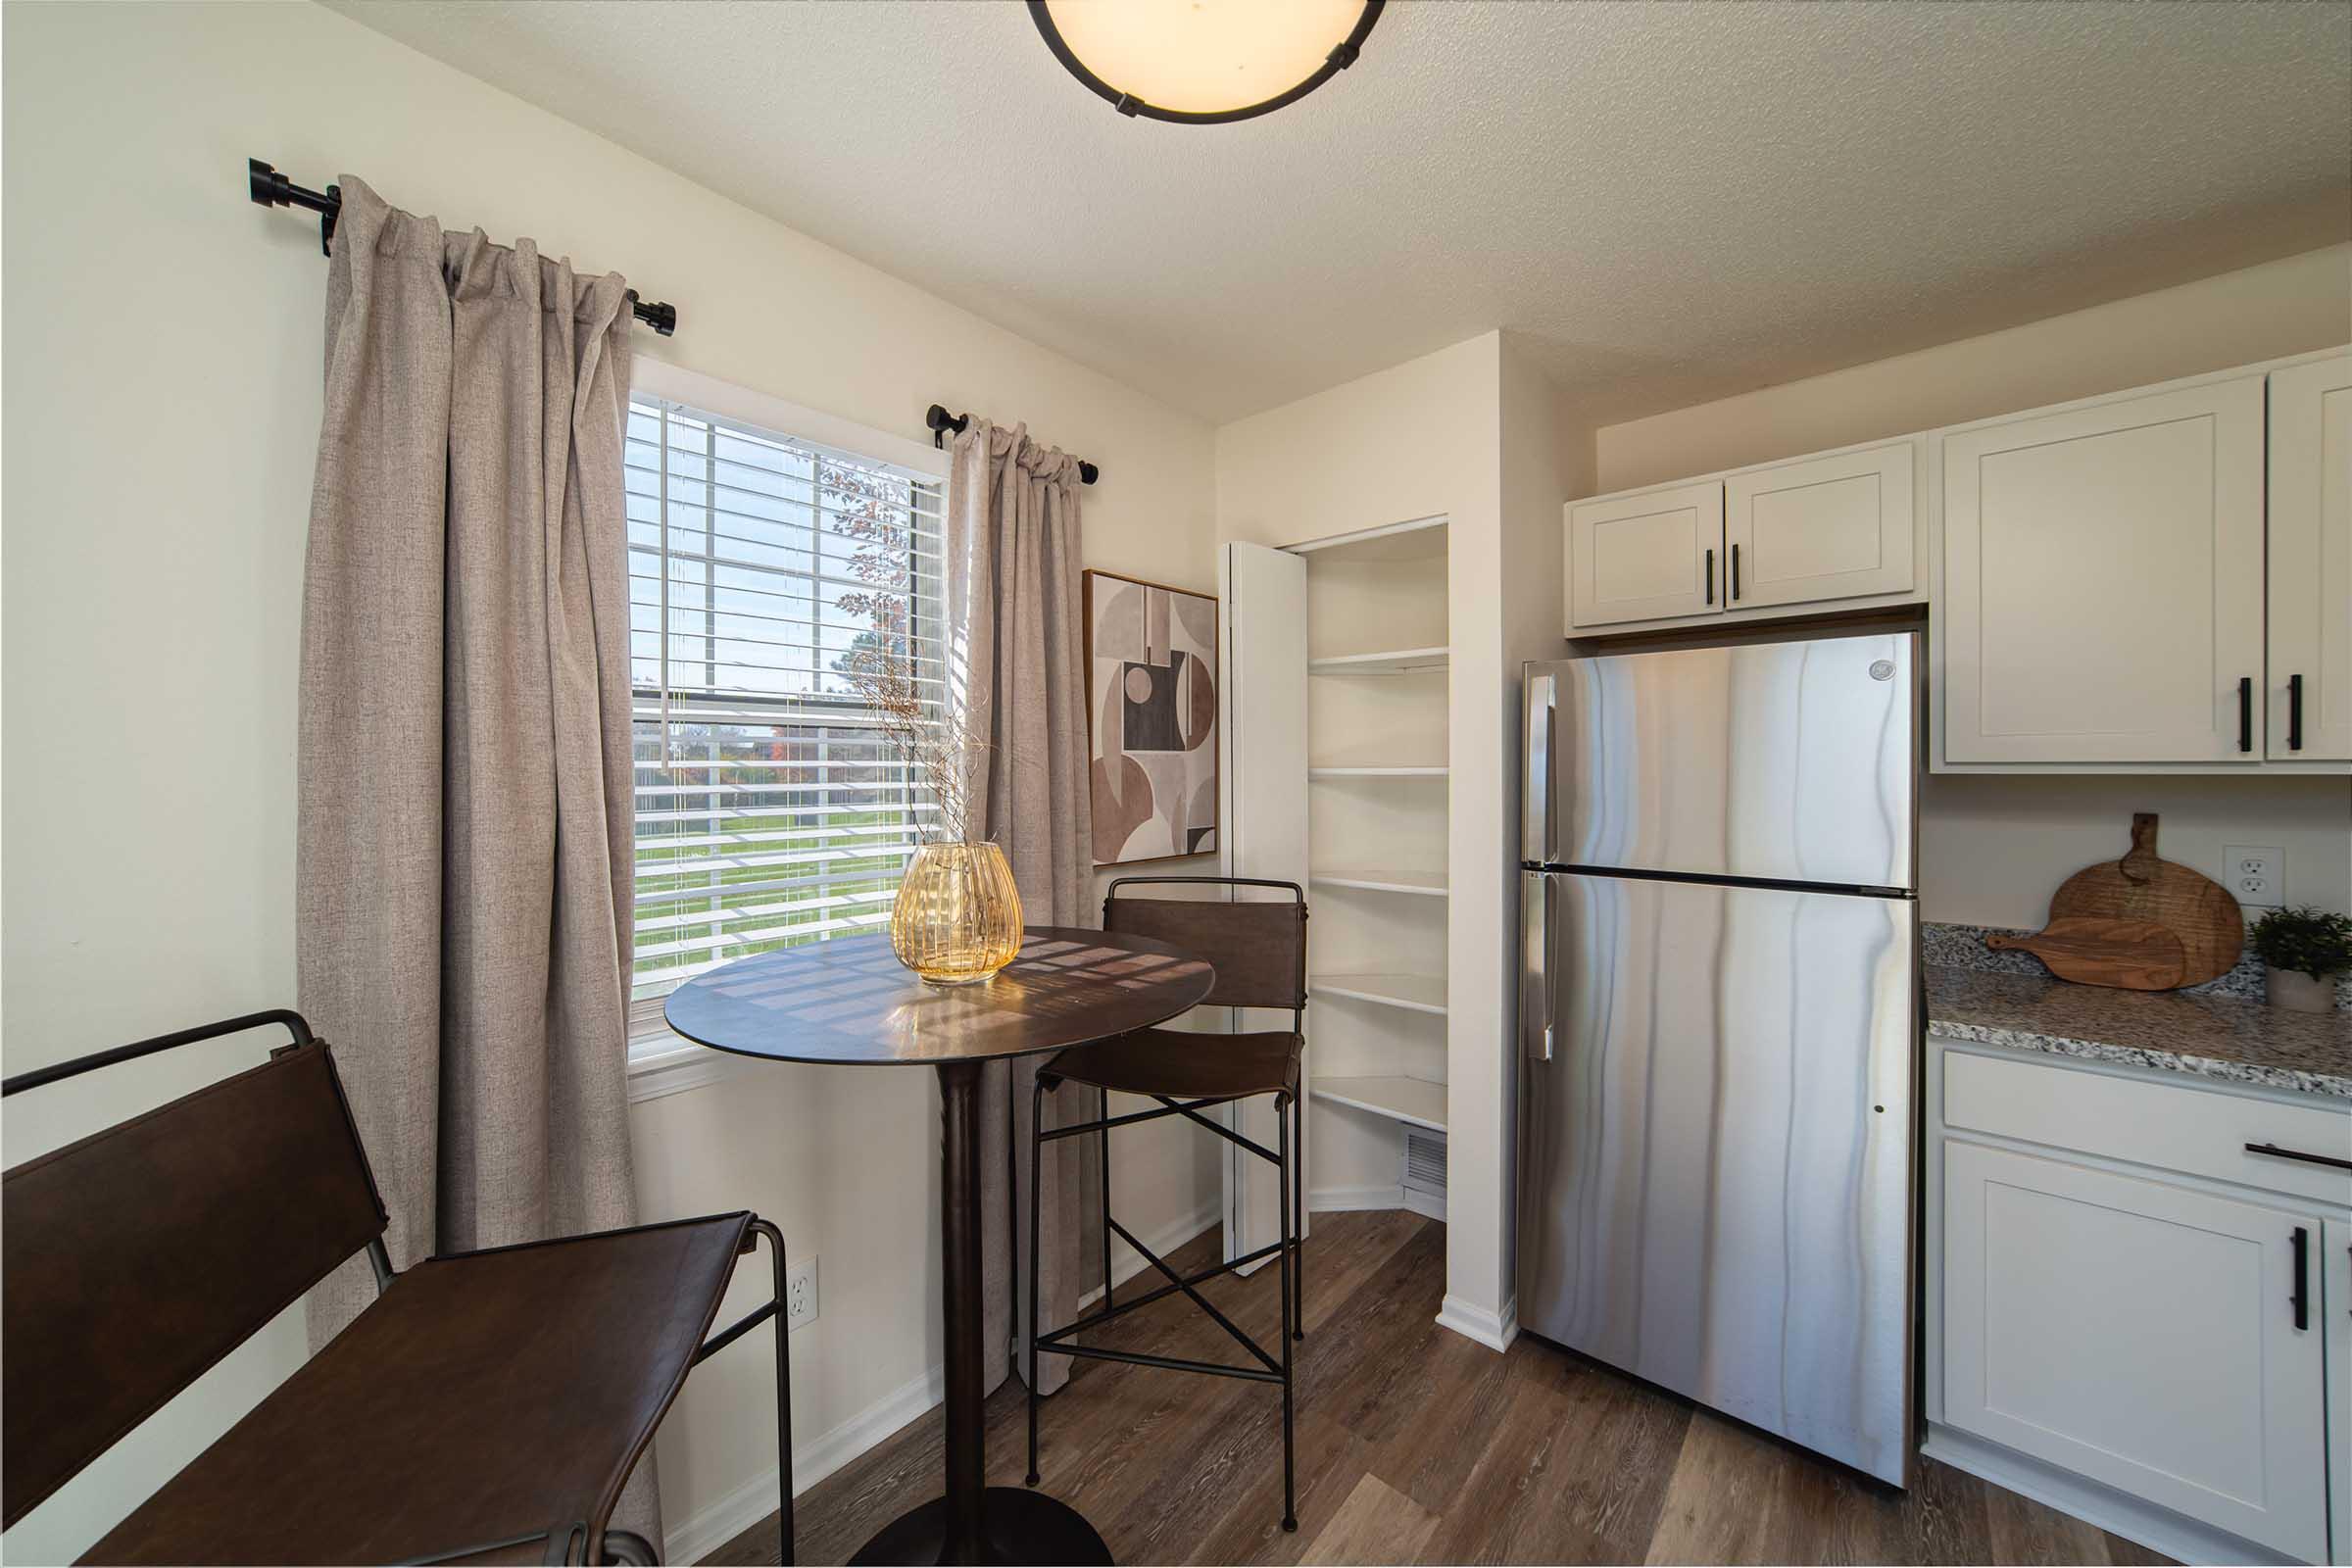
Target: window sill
x,y
664,1063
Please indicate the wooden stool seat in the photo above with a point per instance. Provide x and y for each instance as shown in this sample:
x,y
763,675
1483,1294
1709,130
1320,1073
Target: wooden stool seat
x,y
1169,1061
482,1401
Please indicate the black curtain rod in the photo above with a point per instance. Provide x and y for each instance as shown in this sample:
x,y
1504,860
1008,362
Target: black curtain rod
x,y
270,188
941,422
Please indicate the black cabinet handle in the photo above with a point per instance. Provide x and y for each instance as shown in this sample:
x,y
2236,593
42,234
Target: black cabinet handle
x,y
1735,571
1711,576
2245,712
2276,1153
2302,1296
2294,713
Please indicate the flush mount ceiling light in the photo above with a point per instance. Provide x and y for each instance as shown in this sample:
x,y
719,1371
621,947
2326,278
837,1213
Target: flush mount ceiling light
x,y
1203,62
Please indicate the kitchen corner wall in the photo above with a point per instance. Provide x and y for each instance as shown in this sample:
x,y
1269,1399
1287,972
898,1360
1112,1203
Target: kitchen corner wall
x,y
161,381
1993,848
1476,432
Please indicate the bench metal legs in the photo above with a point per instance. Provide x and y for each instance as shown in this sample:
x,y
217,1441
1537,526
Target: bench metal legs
x,y
1290,1202
772,1309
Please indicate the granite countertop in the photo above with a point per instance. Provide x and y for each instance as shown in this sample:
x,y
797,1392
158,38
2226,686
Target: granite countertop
x,y
2211,1035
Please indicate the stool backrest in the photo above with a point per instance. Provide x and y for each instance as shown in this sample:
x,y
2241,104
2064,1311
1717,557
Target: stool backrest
x,y
139,1257
1259,948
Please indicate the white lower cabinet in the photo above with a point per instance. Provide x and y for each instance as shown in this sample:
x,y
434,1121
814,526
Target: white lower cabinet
x,y
2138,1299
2335,1297
2141,1335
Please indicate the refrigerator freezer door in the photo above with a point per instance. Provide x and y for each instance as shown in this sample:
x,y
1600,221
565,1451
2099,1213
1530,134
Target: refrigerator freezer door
x,y
1778,761
1715,1159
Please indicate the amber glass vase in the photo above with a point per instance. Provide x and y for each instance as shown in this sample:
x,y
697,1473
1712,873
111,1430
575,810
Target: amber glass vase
x,y
957,918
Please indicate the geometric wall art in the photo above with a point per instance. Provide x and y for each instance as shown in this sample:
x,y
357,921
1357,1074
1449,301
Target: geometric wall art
x,y
1151,718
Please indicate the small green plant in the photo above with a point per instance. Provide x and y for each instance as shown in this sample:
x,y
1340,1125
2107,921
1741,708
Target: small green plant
x,y
2312,941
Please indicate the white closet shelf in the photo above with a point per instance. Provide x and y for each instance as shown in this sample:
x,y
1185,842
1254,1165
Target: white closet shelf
x,y
1377,772
1432,883
1415,539
1395,661
1415,993
1405,1100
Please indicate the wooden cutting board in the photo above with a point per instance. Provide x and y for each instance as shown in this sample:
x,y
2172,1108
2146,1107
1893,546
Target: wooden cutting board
x,y
2142,887
2130,954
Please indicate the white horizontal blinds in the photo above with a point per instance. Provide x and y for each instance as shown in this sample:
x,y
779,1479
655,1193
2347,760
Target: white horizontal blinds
x,y
770,808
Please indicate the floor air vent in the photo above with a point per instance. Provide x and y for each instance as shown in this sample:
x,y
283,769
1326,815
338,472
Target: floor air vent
x,y
1424,1172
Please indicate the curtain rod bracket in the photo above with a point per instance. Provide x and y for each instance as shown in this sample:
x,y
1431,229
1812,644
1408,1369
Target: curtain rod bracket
x,y
939,421
270,188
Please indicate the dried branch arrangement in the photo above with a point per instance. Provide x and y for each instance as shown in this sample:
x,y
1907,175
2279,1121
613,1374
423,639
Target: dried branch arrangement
x,y
930,737
924,725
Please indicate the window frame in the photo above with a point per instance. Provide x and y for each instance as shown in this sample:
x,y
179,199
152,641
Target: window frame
x,y
659,1060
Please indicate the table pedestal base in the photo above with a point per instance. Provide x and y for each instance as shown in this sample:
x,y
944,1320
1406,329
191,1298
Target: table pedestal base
x,y
1017,1526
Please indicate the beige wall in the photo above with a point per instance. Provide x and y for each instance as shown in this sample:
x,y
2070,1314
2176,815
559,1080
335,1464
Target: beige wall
x,y
2258,313
1993,847
162,373
1410,441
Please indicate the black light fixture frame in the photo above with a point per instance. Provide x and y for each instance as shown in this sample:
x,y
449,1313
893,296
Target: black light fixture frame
x,y
1126,103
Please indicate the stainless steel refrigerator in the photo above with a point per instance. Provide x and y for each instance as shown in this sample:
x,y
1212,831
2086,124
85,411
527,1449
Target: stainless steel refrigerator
x,y
1719,1021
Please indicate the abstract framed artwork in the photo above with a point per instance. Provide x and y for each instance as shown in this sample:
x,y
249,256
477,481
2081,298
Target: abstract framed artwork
x,y
1151,718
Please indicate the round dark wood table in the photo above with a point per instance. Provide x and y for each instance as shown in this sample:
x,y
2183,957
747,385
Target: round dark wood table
x,y
850,1002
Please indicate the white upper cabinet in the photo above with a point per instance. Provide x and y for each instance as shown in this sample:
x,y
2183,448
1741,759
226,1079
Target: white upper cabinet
x,y
2102,597
1819,528
2150,582
1647,555
2309,688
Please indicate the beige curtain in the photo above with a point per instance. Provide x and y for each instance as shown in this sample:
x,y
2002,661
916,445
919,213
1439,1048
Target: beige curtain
x,y
464,854
1014,602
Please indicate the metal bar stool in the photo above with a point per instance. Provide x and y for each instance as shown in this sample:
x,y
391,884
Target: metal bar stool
x,y
1259,953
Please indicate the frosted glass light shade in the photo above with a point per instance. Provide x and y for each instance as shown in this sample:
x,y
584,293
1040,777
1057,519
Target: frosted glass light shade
x,y
1204,61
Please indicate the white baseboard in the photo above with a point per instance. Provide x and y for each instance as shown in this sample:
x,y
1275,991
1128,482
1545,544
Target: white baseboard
x,y
747,1504
1494,1329
2157,1527
1341,1200
1345,1200
811,1461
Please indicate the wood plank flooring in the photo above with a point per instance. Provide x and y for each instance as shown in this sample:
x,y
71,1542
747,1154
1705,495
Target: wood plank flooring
x,y
1417,1446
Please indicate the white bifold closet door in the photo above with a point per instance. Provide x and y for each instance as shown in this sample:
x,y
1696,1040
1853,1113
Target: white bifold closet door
x,y
1261,817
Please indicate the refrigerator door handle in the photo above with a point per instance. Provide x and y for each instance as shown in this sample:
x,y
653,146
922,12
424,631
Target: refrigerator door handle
x,y
1534,985
1537,809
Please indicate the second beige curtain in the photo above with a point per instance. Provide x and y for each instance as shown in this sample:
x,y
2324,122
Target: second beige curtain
x,y
1015,605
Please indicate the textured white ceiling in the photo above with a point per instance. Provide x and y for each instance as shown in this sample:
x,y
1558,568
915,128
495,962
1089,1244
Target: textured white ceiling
x,y
1672,201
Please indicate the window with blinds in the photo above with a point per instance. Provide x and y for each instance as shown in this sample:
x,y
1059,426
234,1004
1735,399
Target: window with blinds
x,y
770,808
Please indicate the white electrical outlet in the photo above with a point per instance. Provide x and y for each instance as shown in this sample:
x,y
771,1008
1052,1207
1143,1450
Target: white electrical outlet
x,y
2255,874
800,1292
